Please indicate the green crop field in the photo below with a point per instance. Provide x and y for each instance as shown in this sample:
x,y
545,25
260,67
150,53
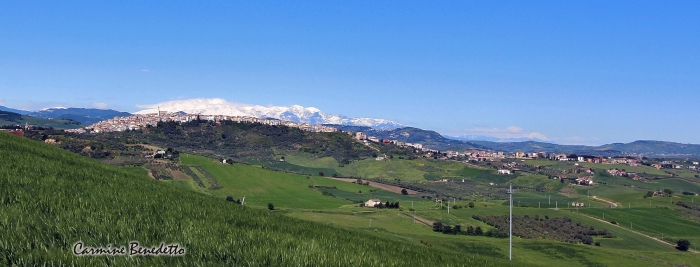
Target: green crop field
x,y
390,169
538,181
309,161
50,199
651,221
260,186
540,199
638,169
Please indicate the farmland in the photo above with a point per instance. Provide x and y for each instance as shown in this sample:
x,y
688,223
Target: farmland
x,y
328,203
52,198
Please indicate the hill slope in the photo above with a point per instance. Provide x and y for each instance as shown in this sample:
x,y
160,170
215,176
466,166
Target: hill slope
x,y
85,116
434,140
11,119
50,199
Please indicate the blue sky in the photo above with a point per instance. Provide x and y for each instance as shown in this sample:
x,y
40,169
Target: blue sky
x,y
577,72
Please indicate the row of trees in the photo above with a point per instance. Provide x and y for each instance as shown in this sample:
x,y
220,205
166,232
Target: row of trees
x,y
388,205
471,230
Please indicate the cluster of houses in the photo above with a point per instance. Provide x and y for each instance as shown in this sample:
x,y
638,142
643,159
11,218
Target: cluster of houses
x,y
667,164
138,121
360,136
586,180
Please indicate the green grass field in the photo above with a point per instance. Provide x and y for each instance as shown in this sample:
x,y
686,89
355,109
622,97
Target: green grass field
x,y
260,186
51,198
406,170
651,221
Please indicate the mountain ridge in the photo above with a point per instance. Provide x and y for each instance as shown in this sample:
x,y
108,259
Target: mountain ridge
x,y
295,113
434,140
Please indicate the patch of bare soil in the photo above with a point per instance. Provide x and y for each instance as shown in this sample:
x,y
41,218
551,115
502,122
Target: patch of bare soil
x,y
178,175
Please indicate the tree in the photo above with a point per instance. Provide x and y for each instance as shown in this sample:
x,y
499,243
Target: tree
x,y
437,226
457,229
404,192
447,229
668,192
270,206
683,245
230,199
470,230
320,174
478,231
471,204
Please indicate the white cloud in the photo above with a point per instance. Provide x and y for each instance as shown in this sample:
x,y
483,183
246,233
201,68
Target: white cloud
x,y
99,105
145,70
2,101
511,132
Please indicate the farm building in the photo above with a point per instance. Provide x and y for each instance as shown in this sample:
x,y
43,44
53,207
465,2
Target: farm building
x,y
372,203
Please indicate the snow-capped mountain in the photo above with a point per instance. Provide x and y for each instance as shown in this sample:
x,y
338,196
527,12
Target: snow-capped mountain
x,y
296,113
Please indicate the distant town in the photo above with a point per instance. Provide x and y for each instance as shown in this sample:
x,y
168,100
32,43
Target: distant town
x,y
135,122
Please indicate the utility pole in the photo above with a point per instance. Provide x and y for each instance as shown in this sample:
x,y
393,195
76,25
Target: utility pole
x,y
510,192
550,200
448,206
556,205
414,216
370,222
411,203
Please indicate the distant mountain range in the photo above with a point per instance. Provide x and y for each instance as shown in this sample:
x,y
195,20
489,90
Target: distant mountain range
x,y
434,140
84,116
12,119
373,127
295,113
470,138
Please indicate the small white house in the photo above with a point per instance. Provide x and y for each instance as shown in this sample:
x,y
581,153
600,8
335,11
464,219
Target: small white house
x,y
503,171
372,203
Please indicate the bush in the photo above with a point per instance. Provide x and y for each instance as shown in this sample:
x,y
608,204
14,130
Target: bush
x,y
613,222
270,206
597,244
683,245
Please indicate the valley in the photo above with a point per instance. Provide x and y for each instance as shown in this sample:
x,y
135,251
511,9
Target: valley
x,y
327,178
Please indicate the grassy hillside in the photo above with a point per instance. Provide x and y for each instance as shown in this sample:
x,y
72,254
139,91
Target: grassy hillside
x,y
50,199
261,186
